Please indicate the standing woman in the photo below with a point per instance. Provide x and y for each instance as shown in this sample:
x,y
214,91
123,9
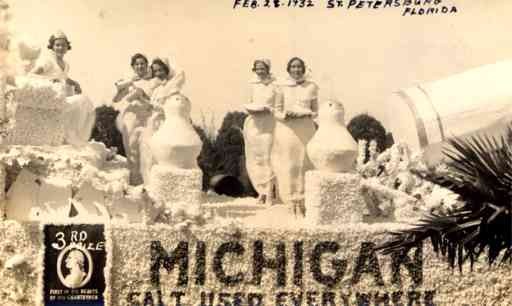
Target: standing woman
x,y
296,106
133,95
258,130
79,115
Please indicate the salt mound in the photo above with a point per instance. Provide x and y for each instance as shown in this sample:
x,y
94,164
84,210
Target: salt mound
x,y
43,179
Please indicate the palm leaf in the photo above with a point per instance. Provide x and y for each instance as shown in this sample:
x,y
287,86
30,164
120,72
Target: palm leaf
x,y
481,174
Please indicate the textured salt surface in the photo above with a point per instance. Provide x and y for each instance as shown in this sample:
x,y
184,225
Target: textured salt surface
x,y
132,260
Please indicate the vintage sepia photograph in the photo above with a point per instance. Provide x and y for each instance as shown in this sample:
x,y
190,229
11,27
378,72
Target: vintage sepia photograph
x,y
255,152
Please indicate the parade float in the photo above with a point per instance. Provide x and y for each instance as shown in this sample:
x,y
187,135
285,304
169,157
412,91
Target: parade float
x,y
75,232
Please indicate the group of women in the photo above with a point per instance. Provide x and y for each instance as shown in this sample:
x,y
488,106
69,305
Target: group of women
x,y
276,132
279,126
139,99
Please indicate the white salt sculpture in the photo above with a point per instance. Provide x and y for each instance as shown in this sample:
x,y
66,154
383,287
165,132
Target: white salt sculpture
x,y
175,146
176,143
332,148
332,193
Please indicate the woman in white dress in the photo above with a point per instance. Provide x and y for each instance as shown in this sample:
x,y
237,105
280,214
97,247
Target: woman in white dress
x,y
296,106
258,130
169,81
132,98
79,115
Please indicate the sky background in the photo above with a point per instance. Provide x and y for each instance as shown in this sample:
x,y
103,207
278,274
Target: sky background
x,y
357,56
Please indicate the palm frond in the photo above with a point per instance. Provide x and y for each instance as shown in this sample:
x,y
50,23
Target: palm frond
x,y
481,174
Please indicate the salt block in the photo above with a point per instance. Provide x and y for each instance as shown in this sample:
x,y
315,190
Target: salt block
x,y
37,127
89,196
127,210
39,113
30,192
172,185
333,198
133,206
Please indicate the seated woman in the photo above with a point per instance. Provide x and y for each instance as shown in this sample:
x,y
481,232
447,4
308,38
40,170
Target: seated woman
x,y
170,82
79,116
133,95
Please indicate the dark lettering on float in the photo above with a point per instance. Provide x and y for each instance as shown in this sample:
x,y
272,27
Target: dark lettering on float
x,y
381,299
367,262
177,295
224,298
414,267
345,297
255,299
131,299
328,298
396,297
159,257
281,298
338,265
414,298
297,298
363,299
225,248
261,262
200,263
148,299
311,297
204,296
298,267
429,298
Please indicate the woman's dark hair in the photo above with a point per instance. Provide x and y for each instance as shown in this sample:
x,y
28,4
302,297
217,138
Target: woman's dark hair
x,y
293,59
159,62
52,40
261,62
136,56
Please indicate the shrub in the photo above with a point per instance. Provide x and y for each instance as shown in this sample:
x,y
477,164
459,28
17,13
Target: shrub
x,y
208,158
223,153
105,129
366,127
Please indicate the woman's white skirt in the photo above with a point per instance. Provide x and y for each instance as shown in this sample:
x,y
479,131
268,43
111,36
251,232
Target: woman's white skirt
x,y
79,117
258,138
289,157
